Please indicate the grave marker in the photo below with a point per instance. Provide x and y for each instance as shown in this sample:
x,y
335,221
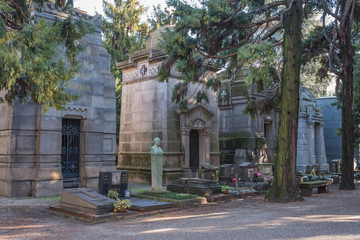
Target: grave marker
x,y
113,180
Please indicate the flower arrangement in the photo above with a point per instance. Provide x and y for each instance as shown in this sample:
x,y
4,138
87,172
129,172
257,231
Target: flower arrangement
x,y
257,174
225,189
122,205
113,194
119,205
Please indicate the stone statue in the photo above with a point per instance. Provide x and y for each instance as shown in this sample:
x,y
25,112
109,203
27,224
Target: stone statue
x,y
156,149
157,156
308,102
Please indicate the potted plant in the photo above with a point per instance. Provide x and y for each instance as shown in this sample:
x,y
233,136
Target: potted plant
x,y
122,205
225,189
113,194
119,205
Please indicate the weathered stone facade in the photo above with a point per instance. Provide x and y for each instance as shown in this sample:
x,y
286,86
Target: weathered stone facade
x,y
332,122
148,112
243,138
310,143
33,142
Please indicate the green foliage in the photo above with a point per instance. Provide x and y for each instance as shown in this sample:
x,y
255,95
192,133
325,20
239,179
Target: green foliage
x,y
122,205
159,18
170,195
315,75
113,194
123,35
123,32
32,64
222,34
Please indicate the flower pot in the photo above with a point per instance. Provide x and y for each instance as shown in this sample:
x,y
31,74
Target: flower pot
x,y
226,191
119,210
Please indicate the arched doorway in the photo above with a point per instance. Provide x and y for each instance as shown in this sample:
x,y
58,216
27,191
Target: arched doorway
x,y
194,150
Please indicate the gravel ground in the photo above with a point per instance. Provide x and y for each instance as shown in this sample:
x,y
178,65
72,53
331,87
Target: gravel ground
x,y
322,216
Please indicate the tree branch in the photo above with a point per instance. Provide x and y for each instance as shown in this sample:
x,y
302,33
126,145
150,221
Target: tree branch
x,y
273,30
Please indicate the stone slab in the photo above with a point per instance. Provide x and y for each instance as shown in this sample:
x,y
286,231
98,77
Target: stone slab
x,y
86,200
95,218
201,187
143,205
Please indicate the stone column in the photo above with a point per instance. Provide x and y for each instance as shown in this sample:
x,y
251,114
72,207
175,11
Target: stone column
x,y
185,134
206,146
321,158
156,171
202,147
302,158
311,141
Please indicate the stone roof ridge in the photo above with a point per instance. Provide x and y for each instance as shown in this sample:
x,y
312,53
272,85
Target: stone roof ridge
x,y
156,37
200,108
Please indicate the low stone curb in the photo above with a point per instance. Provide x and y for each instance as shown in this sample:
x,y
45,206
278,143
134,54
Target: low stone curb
x,y
177,203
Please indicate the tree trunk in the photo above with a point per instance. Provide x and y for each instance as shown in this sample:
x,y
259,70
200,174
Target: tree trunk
x,y
284,186
346,54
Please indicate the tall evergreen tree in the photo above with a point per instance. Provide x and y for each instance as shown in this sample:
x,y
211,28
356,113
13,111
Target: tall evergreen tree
x,y
341,56
235,34
32,65
159,18
340,30
123,34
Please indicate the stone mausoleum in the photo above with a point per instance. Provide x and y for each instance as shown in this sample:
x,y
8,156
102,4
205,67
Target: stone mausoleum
x,y
332,122
254,139
40,153
188,138
310,143
244,138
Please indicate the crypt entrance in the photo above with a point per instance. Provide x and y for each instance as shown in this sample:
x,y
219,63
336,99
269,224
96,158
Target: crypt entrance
x,y
195,125
70,150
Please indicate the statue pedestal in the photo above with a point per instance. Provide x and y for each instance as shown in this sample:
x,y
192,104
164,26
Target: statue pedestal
x,y
156,171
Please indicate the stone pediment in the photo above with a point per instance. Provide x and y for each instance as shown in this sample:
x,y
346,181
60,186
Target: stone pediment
x,y
197,117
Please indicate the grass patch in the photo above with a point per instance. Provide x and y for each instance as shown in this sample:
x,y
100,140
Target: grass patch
x,y
170,195
223,188
137,190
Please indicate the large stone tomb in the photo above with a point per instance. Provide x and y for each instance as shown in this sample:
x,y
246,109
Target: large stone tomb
x,y
43,152
188,139
201,187
113,180
310,142
85,200
247,170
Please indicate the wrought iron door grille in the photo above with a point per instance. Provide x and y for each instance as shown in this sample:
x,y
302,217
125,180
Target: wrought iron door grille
x,y
194,150
70,148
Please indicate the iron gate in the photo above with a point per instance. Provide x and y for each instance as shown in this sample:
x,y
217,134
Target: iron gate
x,y
194,150
70,148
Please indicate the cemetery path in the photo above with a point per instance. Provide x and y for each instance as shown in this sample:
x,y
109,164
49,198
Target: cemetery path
x,y
322,216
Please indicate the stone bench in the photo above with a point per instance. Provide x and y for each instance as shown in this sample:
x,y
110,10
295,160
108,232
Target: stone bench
x,y
321,185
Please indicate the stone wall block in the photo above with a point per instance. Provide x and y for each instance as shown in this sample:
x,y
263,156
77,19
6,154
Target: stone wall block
x,y
109,126
20,188
109,92
21,172
51,123
95,125
109,144
7,143
50,142
5,187
24,142
93,143
48,188
49,172
104,159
